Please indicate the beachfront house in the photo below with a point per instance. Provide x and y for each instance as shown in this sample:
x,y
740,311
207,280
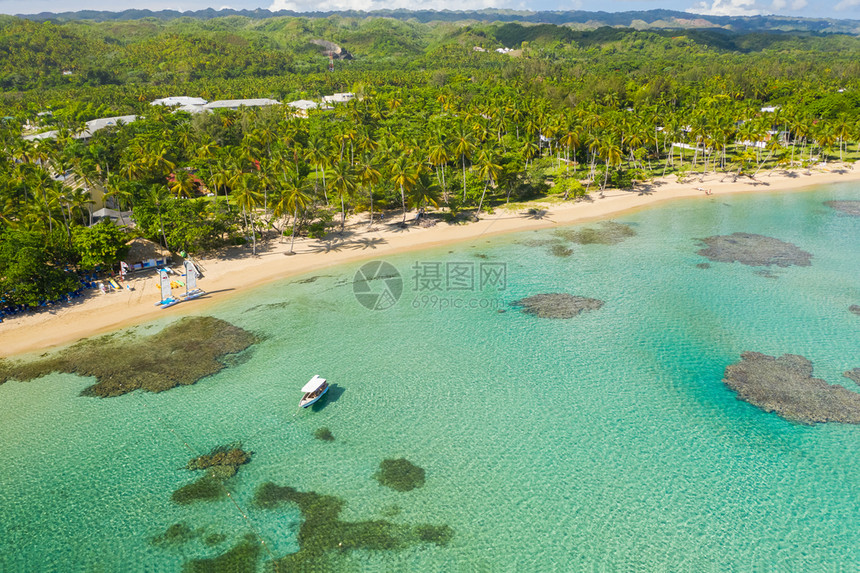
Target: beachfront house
x,y
181,101
90,128
237,103
338,98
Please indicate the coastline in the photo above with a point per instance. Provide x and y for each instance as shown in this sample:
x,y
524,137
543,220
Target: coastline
x,y
236,270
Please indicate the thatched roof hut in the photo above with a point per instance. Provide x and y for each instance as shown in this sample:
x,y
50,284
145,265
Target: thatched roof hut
x,y
141,250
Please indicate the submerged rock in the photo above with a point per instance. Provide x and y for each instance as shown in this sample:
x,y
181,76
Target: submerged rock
x,y
207,488
560,250
242,557
847,207
324,434
855,308
557,305
400,474
785,386
853,374
182,353
175,535
322,534
608,233
222,462
754,250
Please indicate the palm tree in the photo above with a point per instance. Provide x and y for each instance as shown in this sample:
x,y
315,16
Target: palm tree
x,y
489,170
425,191
156,194
317,154
182,184
462,145
404,174
248,197
438,157
292,199
368,175
343,182
611,155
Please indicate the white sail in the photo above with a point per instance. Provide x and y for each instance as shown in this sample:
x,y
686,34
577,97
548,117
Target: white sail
x,y
165,285
190,277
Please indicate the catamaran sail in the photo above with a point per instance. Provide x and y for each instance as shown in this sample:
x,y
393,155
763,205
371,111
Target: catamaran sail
x,y
166,294
190,277
191,274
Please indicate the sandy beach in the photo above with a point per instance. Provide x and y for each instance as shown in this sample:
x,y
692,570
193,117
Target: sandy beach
x,y
237,270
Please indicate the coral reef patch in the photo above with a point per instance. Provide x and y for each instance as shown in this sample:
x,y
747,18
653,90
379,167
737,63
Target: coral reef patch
x,y
242,557
853,375
400,474
753,250
324,434
608,233
559,250
323,536
847,207
207,488
222,462
182,353
557,305
785,386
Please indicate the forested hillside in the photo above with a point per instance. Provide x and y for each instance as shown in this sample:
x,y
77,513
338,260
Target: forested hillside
x,y
441,119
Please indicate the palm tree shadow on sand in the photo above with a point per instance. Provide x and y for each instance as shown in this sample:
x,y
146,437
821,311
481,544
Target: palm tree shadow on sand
x,y
333,395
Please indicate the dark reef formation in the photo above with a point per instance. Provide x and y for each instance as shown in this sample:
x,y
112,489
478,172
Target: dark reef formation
x,y
207,488
785,386
323,536
855,308
182,353
241,558
220,464
753,250
324,434
853,375
400,474
557,305
848,207
608,233
181,533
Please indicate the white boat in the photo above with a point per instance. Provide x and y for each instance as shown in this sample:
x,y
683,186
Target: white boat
x,y
191,290
313,390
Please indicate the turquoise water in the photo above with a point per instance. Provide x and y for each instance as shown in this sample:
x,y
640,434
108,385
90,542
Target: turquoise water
x,y
605,442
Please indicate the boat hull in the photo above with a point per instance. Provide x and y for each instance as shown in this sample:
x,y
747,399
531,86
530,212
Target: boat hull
x,y
305,402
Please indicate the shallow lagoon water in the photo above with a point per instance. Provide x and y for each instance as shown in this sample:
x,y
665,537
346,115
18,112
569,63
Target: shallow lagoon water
x,y
606,441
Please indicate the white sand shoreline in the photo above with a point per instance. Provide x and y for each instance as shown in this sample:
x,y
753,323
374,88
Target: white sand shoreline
x,y
227,277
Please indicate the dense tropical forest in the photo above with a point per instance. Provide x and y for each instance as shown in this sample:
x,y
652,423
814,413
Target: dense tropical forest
x,y
441,120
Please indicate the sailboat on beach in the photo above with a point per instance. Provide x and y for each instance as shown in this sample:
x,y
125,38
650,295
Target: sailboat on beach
x,y
191,290
167,298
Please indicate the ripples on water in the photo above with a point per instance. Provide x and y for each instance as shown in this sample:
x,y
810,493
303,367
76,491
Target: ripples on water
x,y
606,440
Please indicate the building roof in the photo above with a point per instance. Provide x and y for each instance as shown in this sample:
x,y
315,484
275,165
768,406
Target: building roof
x,y
179,100
141,249
303,104
339,97
91,127
192,108
237,103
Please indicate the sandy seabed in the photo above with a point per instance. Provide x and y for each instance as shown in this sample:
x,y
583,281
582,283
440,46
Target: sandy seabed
x,y
236,270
